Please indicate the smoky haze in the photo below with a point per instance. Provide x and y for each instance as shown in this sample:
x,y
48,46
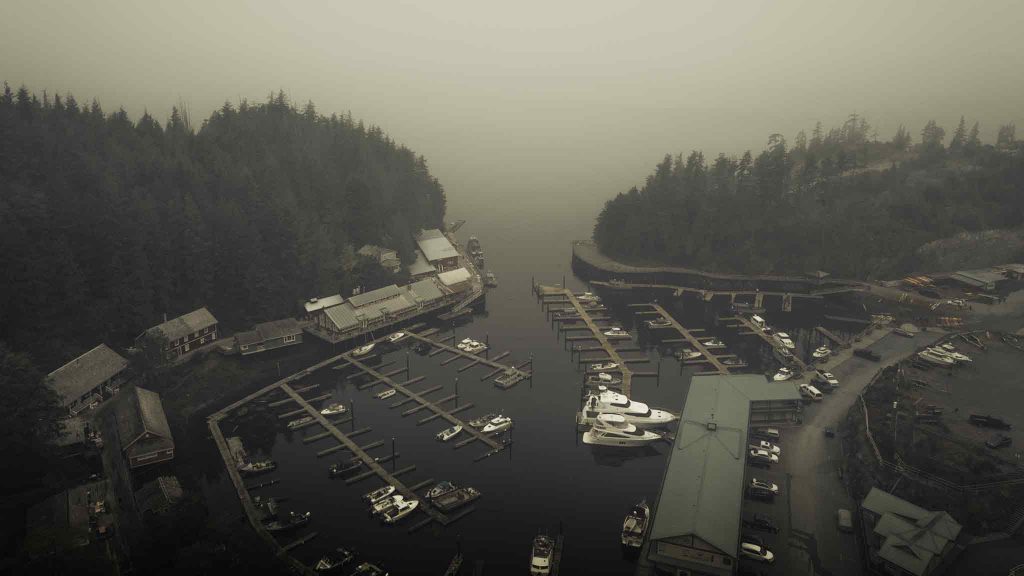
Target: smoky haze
x,y
530,104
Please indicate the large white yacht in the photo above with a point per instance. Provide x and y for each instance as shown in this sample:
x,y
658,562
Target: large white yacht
x,y
497,424
638,413
613,430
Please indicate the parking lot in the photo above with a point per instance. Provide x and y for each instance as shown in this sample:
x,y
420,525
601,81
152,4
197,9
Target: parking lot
x,y
808,474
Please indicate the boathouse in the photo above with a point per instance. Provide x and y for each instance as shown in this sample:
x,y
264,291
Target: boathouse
x,y
696,523
269,335
437,249
88,379
386,257
142,429
185,333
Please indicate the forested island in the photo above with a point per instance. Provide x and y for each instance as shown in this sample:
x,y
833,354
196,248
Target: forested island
x,y
109,222
842,201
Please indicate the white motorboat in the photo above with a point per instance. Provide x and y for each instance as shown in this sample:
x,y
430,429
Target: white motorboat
x,y
475,347
936,359
397,337
588,298
614,430
540,557
635,525
954,355
603,379
616,332
334,408
383,504
440,489
713,343
603,367
332,563
363,350
449,433
783,339
659,323
386,394
400,510
638,413
379,494
299,422
821,352
688,354
464,343
498,424
482,421
783,374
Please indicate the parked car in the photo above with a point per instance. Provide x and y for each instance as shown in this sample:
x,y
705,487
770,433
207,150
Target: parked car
x,y
998,441
772,434
770,486
762,494
808,391
761,522
766,445
844,520
825,380
867,354
755,552
763,458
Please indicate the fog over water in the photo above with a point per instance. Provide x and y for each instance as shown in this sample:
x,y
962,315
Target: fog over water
x,y
541,100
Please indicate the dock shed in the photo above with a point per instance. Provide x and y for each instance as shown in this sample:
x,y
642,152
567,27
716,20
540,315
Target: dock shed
x,y
268,336
142,429
437,249
986,279
89,378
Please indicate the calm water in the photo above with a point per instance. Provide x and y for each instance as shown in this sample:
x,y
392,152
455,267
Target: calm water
x,y
547,480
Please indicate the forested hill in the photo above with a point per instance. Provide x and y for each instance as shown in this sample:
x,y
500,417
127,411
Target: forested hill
x,y
842,201
108,222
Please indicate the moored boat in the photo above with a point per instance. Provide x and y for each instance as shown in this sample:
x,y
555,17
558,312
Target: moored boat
x,y
456,498
688,354
637,413
713,343
299,422
616,332
603,379
614,430
449,433
290,522
440,489
380,506
397,337
541,556
260,467
363,350
635,525
400,510
497,424
482,421
821,352
334,561
344,467
783,374
659,323
379,494
783,339
334,408
367,569
386,394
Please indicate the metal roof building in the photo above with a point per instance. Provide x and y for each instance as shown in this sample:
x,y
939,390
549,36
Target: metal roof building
x,y
906,536
183,326
84,377
421,267
317,304
425,291
435,246
696,522
360,300
983,279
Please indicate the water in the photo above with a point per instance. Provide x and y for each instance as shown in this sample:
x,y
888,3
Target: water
x,y
548,480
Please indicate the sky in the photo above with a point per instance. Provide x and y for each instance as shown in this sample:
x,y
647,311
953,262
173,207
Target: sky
x,y
535,104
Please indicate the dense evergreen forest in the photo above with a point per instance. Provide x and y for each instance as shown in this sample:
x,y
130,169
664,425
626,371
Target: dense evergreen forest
x,y
107,223
842,201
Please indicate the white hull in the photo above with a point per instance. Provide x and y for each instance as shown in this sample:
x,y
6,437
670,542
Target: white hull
x,y
656,419
489,429
596,439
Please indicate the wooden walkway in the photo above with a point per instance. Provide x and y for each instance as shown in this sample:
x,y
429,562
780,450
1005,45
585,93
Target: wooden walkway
x,y
475,360
544,292
433,406
708,294
804,367
708,355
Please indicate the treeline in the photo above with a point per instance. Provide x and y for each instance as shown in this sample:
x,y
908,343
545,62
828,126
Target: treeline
x,y
842,201
107,223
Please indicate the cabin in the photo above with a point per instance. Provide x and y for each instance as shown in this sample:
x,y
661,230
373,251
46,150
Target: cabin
x,y
268,336
142,429
386,257
438,250
906,539
185,333
88,379
458,280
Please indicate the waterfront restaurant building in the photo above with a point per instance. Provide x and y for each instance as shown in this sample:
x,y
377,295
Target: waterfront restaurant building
x,y
379,308
186,333
696,523
88,378
269,335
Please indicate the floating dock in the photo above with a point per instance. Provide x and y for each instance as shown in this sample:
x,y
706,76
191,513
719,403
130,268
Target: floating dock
x,y
708,356
751,328
441,347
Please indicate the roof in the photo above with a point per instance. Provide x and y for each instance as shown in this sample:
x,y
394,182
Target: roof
x,y
395,305
420,266
315,304
453,277
138,412
343,317
360,300
435,245
979,277
269,331
425,290
182,326
702,492
912,536
157,494
84,373
374,251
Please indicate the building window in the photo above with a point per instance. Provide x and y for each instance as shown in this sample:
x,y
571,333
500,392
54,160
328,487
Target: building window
x,y
186,347
245,347
289,338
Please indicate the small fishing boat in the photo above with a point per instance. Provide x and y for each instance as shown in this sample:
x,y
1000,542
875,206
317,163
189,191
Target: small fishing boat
x,y
464,343
482,421
386,394
381,505
363,350
456,498
783,374
261,467
400,510
367,569
449,433
635,525
821,353
688,354
604,366
334,561
397,337
498,424
616,332
344,467
440,489
291,522
299,422
475,347
334,408
379,494
541,556
714,343
603,379
589,298
659,323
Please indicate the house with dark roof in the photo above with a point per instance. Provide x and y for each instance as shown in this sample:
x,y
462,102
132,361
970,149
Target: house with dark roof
x,y
696,524
269,335
185,333
142,429
89,378
907,539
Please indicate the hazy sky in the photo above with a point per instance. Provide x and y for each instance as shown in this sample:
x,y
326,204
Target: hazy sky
x,y
550,100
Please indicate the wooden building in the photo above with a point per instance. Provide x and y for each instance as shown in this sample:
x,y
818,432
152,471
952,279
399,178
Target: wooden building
x,y
315,306
88,379
386,257
438,250
458,280
269,335
142,429
186,333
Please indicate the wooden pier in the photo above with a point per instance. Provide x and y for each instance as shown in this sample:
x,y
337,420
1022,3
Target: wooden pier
x,y
839,342
434,407
597,333
708,356
474,359
751,328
